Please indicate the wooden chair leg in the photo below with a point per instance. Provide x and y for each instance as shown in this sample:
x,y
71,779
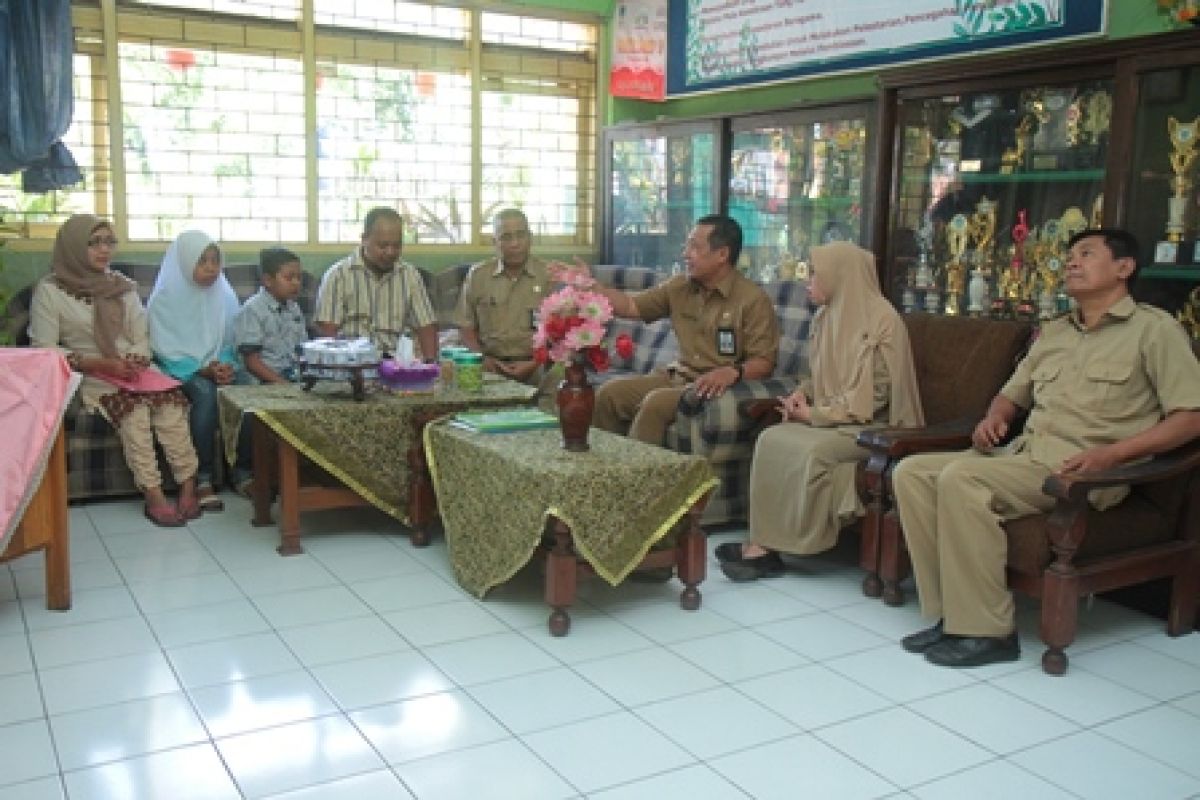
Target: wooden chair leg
x,y
1185,594
893,559
868,551
1060,617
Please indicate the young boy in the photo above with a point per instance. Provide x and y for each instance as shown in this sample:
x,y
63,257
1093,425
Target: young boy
x,y
270,326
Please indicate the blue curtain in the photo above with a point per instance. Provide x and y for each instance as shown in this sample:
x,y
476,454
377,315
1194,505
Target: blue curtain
x,y
36,99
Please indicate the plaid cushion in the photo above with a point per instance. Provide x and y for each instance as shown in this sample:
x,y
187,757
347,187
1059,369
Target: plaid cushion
x,y
95,461
715,429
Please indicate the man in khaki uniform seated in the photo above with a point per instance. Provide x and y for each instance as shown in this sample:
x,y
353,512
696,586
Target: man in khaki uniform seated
x,y
725,325
372,293
1112,382
497,310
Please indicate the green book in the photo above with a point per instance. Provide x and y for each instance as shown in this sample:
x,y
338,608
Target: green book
x,y
520,419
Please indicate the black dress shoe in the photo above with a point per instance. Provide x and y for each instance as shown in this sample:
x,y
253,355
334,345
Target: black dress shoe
x,y
921,641
974,651
768,565
728,551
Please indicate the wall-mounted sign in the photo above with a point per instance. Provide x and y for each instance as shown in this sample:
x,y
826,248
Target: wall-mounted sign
x,y
639,50
718,44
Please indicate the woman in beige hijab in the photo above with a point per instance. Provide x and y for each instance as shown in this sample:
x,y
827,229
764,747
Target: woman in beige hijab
x,y
94,316
802,480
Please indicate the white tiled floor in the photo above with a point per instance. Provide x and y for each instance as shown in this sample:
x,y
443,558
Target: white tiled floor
x,y
199,664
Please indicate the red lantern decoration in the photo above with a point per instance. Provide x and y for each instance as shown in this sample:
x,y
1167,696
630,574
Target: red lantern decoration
x,y
181,60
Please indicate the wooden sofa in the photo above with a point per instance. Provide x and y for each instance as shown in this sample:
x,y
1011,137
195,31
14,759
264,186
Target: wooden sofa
x,y
95,462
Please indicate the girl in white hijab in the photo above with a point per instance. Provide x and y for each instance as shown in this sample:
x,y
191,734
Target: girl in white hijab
x,y
191,310
802,479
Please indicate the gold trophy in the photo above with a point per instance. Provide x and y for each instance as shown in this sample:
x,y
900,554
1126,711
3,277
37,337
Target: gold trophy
x,y
983,230
1183,136
957,233
1189,315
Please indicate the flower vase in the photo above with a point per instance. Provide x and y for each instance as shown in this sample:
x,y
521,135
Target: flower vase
x,y
576,401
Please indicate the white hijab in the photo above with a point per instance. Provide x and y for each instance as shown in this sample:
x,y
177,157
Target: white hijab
x,y
189,322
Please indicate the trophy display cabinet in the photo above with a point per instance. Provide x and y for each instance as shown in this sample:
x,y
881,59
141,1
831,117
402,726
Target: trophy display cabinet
x,y
995,161
793,179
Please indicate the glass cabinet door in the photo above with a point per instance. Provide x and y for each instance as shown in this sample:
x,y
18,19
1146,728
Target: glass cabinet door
x,y
797,180
1164,200
659,179
989,187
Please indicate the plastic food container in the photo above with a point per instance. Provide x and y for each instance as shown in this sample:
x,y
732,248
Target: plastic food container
x,y
446,362
468,371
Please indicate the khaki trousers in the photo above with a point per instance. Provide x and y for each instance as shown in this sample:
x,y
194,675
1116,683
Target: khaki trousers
x,y
951,506
169,423
643,407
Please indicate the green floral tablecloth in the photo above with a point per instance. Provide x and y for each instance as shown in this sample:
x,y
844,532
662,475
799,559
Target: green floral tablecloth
x,y
495,492
362,444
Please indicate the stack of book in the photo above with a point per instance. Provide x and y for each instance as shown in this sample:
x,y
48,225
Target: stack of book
x,y
504,421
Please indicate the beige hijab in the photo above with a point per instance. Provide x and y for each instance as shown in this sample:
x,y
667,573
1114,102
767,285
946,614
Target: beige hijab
x,y
848,330
69,265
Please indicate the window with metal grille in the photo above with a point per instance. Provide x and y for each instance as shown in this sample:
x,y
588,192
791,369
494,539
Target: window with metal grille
x,y
215,130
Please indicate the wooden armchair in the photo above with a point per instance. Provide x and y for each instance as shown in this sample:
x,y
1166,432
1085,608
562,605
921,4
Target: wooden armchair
x,y
960,363
1075,550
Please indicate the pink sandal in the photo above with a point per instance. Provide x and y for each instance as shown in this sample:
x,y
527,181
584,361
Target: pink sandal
x,y
189,509
164,516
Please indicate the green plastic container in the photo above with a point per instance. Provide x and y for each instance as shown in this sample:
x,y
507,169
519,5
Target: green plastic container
x,y
468,371
446,362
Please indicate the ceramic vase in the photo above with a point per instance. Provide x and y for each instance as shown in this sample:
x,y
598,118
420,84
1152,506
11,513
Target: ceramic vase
x,y
576,402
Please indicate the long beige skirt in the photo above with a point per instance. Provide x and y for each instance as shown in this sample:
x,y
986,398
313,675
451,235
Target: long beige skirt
x,y
802,487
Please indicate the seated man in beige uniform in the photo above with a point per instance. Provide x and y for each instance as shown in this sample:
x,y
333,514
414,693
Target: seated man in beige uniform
x,y
1112,382
497,309
725,325
372,293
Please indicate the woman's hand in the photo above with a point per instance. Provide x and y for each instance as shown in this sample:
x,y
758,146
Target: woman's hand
x,y
795,407
222,374
118,367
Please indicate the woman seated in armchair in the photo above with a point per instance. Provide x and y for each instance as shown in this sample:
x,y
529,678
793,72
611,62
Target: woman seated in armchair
x,y
802,479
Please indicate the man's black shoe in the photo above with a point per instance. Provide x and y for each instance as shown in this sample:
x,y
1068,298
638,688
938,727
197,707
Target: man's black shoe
x,y
728,551
921,641
768,565
974,651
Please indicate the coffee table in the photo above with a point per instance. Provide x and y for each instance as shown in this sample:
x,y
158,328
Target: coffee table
x,y
504,496
360,446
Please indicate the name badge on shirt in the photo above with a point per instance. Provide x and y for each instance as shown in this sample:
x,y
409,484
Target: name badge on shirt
x,y
726,342
533,319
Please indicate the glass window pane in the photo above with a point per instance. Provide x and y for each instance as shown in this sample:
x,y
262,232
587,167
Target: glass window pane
x,y
537,154
272,9
394,136
212,140
39,214
416,19
548,34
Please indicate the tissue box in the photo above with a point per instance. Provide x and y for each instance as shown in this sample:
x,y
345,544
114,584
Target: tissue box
x,y
413,376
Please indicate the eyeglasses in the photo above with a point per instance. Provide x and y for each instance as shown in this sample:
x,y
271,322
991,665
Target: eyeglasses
x,y
102,241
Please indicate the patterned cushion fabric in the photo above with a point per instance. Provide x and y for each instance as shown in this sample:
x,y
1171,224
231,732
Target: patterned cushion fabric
x,y
95,462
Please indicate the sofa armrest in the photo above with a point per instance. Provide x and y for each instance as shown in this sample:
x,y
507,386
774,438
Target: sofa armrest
x,y
1075,488
719,420
899,442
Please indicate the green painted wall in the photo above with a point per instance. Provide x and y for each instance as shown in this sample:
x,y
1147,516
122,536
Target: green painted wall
x,y
1126,18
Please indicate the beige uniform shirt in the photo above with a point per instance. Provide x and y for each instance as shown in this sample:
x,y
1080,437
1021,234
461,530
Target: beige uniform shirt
x,y
726,325
502,309
379,307
1087,388
63,322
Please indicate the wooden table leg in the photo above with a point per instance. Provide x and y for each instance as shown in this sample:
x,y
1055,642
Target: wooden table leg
x,y
58,548
264,470
561,576
690,557
422,501
289,500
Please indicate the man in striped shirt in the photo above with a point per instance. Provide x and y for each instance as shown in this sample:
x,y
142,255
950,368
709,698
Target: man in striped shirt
x,y
373,293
